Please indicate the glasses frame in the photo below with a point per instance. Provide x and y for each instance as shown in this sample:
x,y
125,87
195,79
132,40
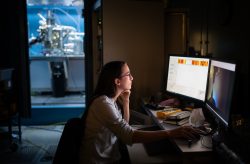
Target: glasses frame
x,y
127,74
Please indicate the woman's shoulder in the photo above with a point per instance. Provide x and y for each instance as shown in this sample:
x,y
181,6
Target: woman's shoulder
x,y
103,102
103,99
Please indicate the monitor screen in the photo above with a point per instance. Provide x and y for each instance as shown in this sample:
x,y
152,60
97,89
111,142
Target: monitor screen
x,y
187,76
220,89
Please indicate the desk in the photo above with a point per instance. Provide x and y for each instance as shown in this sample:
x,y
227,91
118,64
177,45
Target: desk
x,y
195,153
138,154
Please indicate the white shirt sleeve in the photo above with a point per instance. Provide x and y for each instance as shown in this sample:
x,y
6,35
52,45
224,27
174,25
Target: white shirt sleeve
x,y
106,111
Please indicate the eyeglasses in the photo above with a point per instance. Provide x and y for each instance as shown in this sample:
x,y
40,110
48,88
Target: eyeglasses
x,y
127,74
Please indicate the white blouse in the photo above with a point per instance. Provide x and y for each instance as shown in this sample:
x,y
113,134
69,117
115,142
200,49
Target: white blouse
x,y
103,125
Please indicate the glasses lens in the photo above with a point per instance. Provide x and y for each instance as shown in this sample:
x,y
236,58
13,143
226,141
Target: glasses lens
x,y
128,74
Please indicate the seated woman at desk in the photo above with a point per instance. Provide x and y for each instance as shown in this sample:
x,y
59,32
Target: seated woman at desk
x,y
105,122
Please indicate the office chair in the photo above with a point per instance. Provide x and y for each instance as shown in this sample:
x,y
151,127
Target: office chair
x,y
69,143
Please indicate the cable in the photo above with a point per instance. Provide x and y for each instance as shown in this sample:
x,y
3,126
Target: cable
x,y
227,154
69,16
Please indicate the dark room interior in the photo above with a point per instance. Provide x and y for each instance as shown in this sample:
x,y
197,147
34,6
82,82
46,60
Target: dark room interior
x,y
42,88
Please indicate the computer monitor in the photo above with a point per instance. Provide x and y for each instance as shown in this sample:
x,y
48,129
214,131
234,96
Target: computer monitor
x,y
220,89
187,77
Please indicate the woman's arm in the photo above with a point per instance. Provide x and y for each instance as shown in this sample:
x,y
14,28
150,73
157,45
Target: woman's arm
x,y
185,132
125,104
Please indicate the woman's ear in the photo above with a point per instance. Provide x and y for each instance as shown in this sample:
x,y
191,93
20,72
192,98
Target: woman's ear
x,y
117,81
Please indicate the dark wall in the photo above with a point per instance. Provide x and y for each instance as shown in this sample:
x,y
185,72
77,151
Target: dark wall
x,y
228,36
218,27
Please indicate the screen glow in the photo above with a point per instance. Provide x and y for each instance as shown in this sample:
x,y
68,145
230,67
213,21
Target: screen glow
x,y
188,76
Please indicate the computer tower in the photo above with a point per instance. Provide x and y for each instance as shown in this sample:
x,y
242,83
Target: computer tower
x,y
58,79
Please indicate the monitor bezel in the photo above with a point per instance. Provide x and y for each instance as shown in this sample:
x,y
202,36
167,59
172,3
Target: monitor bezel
x,y
183,97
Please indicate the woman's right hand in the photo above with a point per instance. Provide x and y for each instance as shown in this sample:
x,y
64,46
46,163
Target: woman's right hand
x,y
184,132
125,96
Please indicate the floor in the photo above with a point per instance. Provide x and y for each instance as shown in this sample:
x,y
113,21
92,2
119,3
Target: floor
x,y
38,145
41,132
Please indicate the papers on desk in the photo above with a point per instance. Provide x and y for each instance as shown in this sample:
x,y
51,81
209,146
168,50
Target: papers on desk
x,y
178,118
179,115
163,114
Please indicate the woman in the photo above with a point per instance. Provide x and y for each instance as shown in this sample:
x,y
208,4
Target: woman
x,y
106,122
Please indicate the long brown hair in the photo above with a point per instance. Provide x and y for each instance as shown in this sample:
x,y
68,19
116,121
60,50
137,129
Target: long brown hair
x,y
106,82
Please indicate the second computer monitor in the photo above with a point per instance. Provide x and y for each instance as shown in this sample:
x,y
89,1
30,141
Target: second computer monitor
x,y
187,76
220,89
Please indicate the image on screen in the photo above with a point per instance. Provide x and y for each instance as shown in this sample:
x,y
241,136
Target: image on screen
x,y
220,89
188,76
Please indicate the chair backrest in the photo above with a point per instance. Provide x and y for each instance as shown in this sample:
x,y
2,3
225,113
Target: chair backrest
x,y
69,143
